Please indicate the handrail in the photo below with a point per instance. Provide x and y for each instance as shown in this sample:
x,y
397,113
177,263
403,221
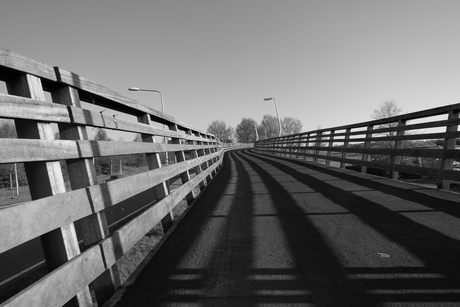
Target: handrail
x,y
386,144
80,250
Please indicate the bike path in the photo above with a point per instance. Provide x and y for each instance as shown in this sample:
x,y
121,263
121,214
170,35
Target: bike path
x,y
279,232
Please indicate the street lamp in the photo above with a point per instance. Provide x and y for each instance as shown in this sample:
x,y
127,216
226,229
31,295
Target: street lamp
x,y
136,89
276,107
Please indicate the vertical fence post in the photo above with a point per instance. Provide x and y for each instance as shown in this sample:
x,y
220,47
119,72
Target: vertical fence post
x,y
319,137
395,159
449,143
46,179
345,146
285,143
299,145
307,147
82,173
330,145
153,161
367,145
292,147
282,144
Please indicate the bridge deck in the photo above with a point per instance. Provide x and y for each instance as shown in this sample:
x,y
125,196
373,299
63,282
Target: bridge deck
x,y
277,231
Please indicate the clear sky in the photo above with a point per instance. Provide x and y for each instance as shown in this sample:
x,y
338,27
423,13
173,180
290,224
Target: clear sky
x,y
327,63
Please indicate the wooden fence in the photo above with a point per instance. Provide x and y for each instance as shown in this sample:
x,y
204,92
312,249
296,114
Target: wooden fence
x,y
43,100
399,144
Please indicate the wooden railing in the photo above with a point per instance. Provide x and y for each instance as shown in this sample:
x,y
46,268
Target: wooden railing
x,y
400,144
80,250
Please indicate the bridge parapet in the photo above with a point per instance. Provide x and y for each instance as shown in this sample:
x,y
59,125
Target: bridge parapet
x,y
420,143
80,249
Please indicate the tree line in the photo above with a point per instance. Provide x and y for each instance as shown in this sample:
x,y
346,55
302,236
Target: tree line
x,y
248,130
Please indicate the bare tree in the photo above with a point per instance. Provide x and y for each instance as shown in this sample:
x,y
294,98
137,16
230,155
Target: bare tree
x,y
387,108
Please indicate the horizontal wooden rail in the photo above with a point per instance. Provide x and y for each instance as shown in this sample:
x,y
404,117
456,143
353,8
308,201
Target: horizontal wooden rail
x,y
28,150
81,252
14,107
388,144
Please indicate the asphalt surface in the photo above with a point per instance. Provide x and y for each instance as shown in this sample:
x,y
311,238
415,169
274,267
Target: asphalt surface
x,y
273,231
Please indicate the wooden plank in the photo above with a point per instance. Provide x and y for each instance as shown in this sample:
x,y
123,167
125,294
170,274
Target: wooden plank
x,y
407,152
124,238
111,148
103,148
35,150
58,287
96,119
30,150
45,179
22,222
25,108
113,192
23,64
409,137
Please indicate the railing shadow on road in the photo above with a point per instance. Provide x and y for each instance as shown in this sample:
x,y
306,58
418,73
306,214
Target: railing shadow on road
x,y
414,193
434,279
316,275
164,280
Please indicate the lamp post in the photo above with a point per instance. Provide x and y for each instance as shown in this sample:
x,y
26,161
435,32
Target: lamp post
x,y
277,114
136,89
